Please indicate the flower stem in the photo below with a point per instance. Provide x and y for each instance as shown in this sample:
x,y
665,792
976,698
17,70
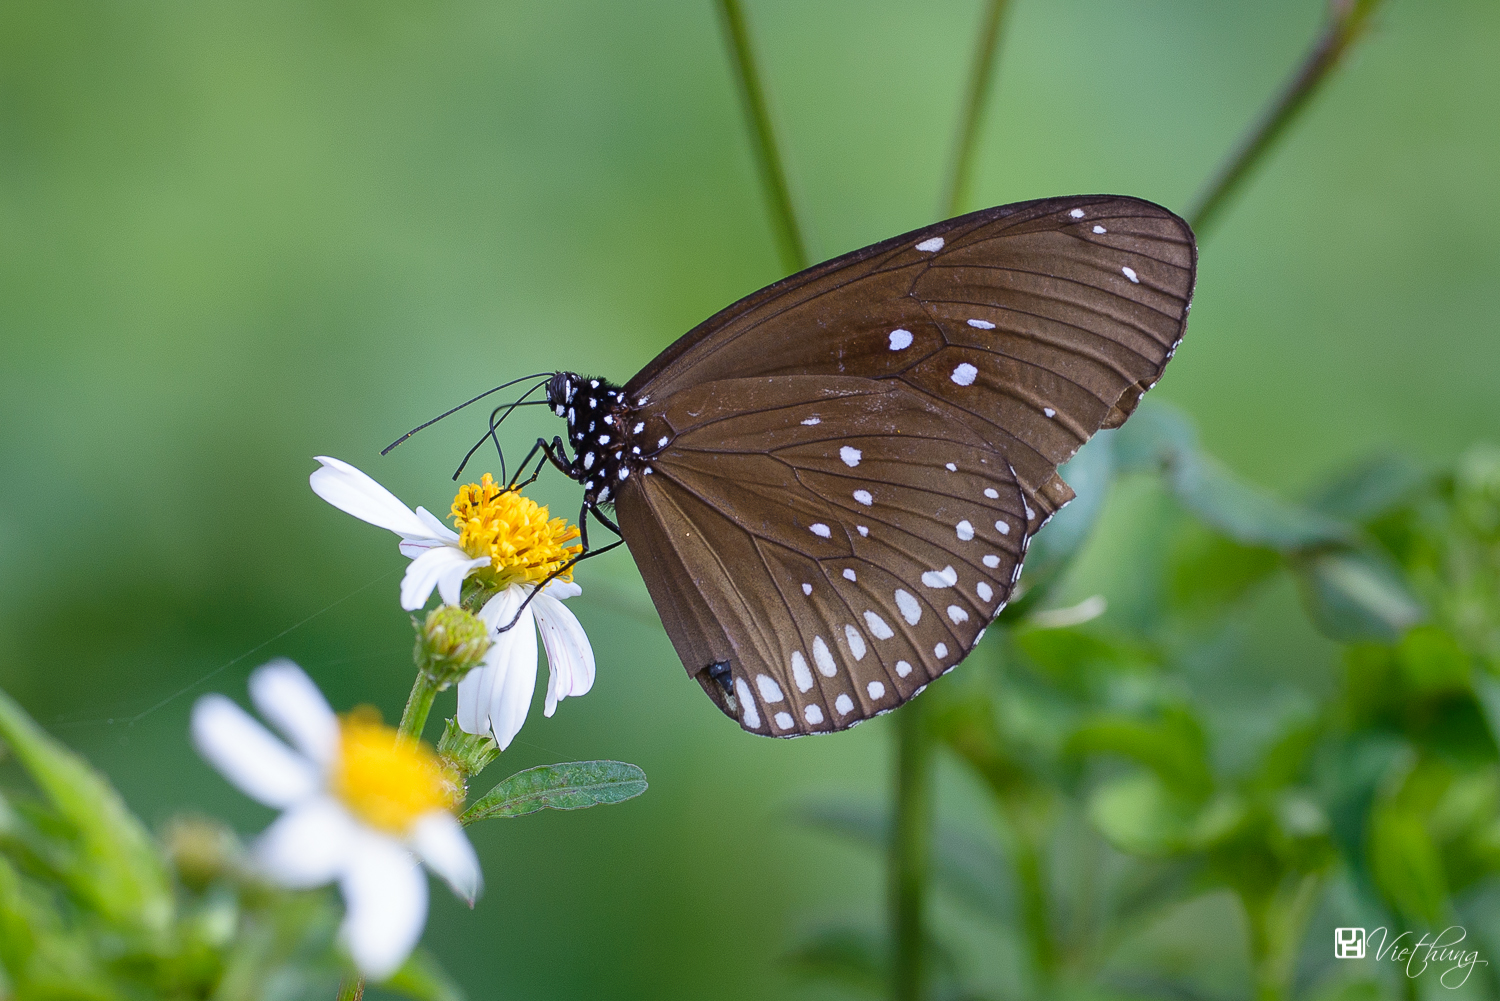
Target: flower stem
x,y
1347,21
351,990
980,76
910,837
763,138
418,705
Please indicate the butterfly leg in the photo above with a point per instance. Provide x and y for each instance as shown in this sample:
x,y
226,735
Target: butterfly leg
x,y
588,552
556,452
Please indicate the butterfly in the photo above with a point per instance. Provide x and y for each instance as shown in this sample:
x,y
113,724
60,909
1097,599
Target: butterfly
x,y
829,486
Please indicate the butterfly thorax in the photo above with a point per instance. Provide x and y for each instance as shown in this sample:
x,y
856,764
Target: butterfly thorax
x,y
604,432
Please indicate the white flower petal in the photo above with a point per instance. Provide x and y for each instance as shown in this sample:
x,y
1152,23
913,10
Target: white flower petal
x,y
440,532
433,568
352,492
442,844
473,712
245,752
570,659
291,701
307,846
562,589
412,548
386,899
509,664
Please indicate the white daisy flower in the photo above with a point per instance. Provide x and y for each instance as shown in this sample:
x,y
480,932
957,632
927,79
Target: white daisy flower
x,y
358,801
509,544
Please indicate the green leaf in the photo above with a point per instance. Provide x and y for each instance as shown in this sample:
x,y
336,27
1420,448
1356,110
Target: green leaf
x,y
423,979
1356,595
1089,473
1139,815
1406,864
1432,662
120,873
1375,487
1174,748
1487,692
847,956
572,785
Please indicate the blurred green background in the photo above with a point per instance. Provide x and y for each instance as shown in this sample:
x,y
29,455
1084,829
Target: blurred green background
x,y
236,236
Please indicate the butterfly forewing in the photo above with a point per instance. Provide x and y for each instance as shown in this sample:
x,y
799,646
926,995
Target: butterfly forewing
x,y
839,474
848,543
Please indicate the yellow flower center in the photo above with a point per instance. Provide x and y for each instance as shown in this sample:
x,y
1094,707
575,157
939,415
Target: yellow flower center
x,y
385,779
523,544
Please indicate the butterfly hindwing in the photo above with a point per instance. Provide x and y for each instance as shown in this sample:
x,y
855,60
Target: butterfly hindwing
x,y
846,541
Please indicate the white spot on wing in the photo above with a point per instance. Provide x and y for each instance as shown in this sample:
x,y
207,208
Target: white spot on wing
x,y
1130,273
876,690
850,456
950,467
938,579
984,591
638,428
964,374
982,324
784,721
813,714
1076,213
751,714
800,674
1049,411
807,589
661,442
992,493
1003,527
878,627
821,530
965,531
1100,229
848,574
957,614
941,650
770,691
826,667
931,245
900,339
863,530
864,497
992,561
811,421
903,668
844,704
856,642
911,609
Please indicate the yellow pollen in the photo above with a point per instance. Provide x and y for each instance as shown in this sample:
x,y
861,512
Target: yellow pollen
x,y
523,544
385,779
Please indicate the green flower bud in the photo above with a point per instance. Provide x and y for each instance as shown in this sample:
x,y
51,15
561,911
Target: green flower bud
x,y
450,644
202,851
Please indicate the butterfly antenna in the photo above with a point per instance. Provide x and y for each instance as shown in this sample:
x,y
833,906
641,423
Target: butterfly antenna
x,y
489,434
450,413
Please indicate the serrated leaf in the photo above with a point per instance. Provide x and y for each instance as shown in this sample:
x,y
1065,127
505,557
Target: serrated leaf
x,y
120,873
1356,596
572,785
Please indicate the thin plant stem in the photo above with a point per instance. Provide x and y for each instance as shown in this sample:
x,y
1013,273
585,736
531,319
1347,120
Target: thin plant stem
x,y
418,705
352,990
763,138
1348,21
911,834
980,76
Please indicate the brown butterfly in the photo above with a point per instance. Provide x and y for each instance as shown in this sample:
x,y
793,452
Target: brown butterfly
x,y
829,487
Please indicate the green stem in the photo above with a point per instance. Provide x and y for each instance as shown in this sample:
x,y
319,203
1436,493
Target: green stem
x,y
351,990
980,76
910,837
418,705
1347,22
763,137
1035,913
